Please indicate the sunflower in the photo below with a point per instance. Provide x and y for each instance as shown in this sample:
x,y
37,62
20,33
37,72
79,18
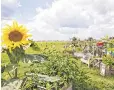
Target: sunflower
x,y
15,36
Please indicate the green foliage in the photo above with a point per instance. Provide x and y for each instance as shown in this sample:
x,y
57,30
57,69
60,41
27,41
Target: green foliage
x,y
48,86
108,60
17,54
34,45
58,64
66,68
78,49
83,82
74,41
90,39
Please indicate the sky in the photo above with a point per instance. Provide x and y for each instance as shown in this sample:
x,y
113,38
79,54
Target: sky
x,y
61,19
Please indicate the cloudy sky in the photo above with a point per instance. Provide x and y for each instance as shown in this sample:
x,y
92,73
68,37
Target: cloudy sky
x,y
61,19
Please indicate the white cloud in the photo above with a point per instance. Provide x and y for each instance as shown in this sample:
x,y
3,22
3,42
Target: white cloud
x,y
65,18
4,22
11,3
84,18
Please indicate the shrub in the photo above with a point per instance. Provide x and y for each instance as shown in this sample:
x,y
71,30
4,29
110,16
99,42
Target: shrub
x,y
66,68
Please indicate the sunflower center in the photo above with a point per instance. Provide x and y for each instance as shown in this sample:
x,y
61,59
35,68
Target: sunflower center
x,y
15,36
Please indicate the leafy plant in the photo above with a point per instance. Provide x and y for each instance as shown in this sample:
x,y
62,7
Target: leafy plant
x,y
108,60
66,68
78,49
34,45
15,56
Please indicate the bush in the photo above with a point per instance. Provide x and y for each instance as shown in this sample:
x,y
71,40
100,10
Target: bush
x,y
66,68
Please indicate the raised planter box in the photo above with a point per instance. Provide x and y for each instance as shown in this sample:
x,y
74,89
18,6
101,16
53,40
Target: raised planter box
x,y
106,70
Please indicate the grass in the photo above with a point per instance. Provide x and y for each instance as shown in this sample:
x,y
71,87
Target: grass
x,y
105,83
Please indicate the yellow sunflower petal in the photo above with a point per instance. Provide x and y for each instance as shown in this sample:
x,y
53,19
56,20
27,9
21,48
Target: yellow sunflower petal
x,y
25,42
20,27
5,29
9,27
16,45
29,35
15,24
24,29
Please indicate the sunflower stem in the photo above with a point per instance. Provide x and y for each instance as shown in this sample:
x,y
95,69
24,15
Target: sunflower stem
x,y
15,73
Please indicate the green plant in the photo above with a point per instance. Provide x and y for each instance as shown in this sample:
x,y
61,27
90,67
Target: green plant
x,y
78,49
15,56
34,45
108,60
66,68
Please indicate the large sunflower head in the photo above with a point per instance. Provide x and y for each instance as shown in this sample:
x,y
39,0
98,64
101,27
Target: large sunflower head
x,y
15,35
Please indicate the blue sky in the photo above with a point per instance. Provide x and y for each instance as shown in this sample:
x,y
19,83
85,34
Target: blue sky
x,y
22,10
61,19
